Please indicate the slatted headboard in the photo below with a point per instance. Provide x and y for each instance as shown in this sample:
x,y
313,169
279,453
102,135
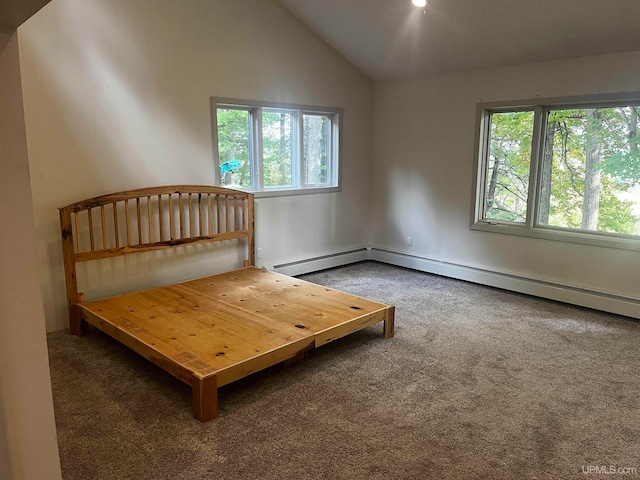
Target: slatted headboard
x,y
150,219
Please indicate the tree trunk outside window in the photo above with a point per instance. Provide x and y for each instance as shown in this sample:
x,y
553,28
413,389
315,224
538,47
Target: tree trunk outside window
x,y
592,177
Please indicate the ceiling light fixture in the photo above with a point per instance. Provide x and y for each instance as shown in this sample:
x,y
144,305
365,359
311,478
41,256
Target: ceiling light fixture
x,y
419,3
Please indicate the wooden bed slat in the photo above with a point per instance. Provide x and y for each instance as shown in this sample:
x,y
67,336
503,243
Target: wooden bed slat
x,y
191,221
127,221
251,239
139,215
201,216
115,224
171,219
104,227
91,241
78,244
160,219
219,216
181,215
210,210
150,219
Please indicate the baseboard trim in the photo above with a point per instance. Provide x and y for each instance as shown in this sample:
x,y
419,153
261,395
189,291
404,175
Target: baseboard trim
x,y
321,263
603,301
620,305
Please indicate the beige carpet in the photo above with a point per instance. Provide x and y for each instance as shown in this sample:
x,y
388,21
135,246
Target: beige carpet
x,y
478,383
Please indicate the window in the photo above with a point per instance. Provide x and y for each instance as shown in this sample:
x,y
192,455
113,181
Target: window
x,y
276,149
507,182
564,170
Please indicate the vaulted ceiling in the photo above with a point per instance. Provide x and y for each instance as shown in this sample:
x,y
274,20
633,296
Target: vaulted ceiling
x,y
392,39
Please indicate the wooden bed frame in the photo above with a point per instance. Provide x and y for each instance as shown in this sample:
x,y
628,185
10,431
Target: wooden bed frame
x,y
210,331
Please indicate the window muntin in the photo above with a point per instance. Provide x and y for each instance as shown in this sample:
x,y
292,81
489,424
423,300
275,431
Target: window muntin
x,y
276,148
584,179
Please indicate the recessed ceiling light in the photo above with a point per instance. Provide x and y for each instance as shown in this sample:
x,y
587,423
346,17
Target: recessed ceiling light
x,y
419,3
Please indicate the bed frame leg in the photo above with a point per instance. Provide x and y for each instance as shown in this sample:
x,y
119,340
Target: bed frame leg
x,y
389,322
205,398
76,325
301,355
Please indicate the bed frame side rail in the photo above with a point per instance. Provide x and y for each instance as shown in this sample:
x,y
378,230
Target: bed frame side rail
x,y
149,219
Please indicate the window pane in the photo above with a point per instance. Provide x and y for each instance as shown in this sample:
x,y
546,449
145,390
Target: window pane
x,y
234,147
591,170
277,148
317,149
507,181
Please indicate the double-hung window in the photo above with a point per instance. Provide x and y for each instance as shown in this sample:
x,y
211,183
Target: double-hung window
x,y
276,149
566,169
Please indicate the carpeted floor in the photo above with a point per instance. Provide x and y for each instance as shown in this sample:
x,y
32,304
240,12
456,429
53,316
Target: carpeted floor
x,y
478,383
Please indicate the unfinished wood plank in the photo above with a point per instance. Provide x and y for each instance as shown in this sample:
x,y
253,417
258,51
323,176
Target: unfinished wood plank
x,y
147,351
300,304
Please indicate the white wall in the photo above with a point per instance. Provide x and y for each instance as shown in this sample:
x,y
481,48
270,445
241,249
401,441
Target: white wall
x,y
117,96
28,444
423,172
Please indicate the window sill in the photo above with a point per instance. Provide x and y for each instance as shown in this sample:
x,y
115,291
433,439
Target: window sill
x,y
290,192
623,242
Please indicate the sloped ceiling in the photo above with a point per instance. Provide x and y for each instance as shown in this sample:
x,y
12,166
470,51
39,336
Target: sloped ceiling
x,y
14,13
393,40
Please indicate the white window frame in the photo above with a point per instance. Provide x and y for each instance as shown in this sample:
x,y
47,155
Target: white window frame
x,y
531,227
255,108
